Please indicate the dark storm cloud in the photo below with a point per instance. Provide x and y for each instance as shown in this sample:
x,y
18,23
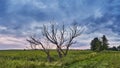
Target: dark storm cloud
x,y
19,17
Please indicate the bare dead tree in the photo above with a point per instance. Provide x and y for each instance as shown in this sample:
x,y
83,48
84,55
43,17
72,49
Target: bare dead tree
x,y
60,39
52,35
33,41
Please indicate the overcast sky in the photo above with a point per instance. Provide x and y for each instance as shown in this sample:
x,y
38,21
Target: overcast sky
x,y
19,18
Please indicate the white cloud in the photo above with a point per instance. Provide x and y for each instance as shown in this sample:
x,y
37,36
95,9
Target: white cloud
x,y
3,28
98,13
110,22
39,4
81,47
17,6
12,41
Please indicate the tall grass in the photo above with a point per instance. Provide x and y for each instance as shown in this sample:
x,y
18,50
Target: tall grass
x,y
75,59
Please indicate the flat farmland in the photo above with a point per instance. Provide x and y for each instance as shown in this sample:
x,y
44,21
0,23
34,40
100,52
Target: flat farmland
x,y
75,59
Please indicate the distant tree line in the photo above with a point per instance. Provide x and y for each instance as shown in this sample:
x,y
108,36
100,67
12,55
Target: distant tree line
x,y
114,48
99,44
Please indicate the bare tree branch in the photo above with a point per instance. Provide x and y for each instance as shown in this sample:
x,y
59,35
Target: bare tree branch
x,y
63,37
34,41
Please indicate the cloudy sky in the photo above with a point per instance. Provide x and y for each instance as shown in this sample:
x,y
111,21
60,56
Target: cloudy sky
x,y
19,18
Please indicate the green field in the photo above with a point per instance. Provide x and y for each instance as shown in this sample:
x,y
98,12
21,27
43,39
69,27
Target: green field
x,y
75,59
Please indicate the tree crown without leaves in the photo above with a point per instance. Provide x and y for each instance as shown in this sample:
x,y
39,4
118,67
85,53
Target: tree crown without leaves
x,y
60,36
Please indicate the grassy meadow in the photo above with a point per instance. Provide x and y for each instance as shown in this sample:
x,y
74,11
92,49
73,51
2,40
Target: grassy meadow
x,y
75,59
